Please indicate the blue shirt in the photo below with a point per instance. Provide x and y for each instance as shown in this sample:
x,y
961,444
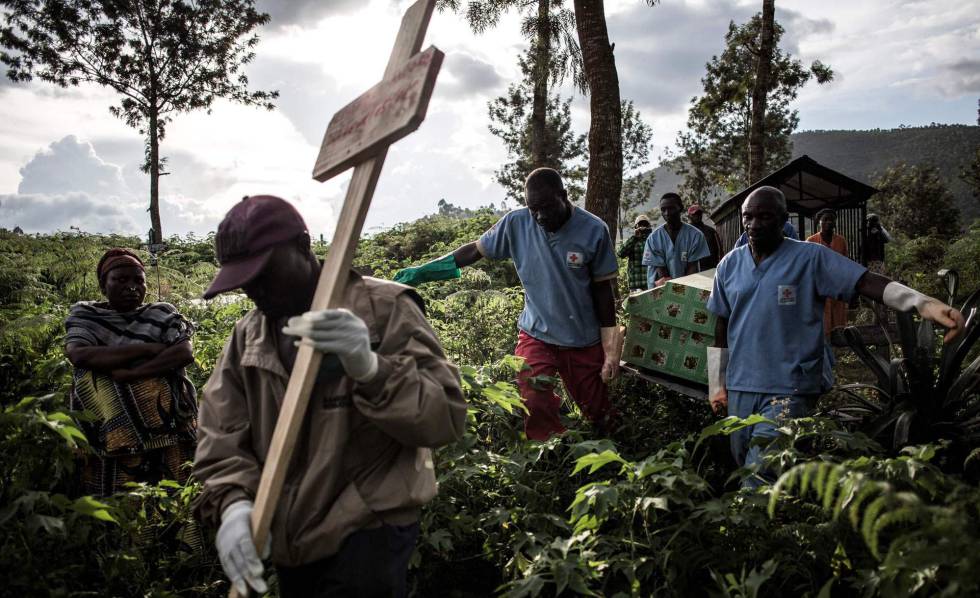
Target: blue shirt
x,y
789,231
775,315
661,252
557,270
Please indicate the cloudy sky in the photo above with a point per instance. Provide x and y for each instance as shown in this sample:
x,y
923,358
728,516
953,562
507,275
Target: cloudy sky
x,y
65,161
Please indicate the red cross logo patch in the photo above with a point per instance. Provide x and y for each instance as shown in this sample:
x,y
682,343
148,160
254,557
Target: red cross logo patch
x,y
787,294
574,259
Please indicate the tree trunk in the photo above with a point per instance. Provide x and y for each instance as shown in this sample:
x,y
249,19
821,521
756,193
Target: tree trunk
x,y
542,69
763,68
605,131
154,167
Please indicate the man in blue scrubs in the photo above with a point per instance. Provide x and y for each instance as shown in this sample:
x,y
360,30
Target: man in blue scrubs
x,y
674,248
770,356
565,260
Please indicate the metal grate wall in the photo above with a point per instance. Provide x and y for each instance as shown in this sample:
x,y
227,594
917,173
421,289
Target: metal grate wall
x,y
851,222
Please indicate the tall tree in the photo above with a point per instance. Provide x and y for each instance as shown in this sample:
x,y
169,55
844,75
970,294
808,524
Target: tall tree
x,y
760,91
511,119
637,185
553,56
719,121
605,129
564,149
542,67
914,200
163,57
694,165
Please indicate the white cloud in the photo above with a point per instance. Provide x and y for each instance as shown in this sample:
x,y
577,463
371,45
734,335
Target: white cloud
x,y
69,184
298,13
40,212
893,63
70,165
907,65
964,77
469,76
32,116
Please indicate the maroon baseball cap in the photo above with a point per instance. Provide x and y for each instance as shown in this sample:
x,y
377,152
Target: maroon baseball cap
x,y
694,209
247,236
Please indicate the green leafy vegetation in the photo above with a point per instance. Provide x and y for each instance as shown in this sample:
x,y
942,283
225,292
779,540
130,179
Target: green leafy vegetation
x,y
652,509
914,201
921,396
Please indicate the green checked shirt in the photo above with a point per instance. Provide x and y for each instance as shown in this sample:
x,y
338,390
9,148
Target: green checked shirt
x,y
632,250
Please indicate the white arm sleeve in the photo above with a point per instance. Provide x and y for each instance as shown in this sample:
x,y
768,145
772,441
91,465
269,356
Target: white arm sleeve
x,y
717,366
902,298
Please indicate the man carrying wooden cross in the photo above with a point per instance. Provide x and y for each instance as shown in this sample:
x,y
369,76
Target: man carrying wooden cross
x,y
565,260
770,357
385,394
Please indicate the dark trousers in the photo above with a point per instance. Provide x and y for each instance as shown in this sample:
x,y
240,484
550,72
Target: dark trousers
x,y
372,563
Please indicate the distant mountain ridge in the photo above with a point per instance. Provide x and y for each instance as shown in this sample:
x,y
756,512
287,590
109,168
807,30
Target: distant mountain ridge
x,y
863,155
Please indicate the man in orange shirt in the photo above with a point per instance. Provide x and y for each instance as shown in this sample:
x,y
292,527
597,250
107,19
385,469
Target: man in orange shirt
x,y
835,312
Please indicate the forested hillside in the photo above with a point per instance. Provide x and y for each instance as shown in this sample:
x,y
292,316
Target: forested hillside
x,y
864,154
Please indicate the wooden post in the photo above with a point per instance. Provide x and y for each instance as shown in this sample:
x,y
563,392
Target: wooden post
x,y
358,135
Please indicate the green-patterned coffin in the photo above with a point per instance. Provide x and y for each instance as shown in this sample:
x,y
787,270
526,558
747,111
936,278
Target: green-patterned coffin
x,y
670,327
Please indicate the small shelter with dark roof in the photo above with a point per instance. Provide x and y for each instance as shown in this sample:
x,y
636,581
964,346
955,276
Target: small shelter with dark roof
x,y
809,187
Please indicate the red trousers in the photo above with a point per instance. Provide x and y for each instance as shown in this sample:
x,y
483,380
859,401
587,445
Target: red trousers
x,y
579,369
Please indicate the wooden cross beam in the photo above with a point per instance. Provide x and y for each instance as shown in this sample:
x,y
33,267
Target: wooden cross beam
x,y
359,136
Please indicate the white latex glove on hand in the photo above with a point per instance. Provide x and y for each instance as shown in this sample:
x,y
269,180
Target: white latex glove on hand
x,y
236,550
612,347
902,298
717,393
948,317
340,332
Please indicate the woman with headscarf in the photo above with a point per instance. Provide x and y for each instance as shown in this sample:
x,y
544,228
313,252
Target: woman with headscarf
x,y
129,363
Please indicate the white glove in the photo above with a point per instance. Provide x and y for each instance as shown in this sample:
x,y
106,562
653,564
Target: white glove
x,y
341,332
236,550
717,367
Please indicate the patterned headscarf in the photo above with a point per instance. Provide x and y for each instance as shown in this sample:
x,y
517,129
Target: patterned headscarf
x,y
117,257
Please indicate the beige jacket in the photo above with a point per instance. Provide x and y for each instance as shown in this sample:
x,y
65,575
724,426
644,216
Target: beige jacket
x,y
363,456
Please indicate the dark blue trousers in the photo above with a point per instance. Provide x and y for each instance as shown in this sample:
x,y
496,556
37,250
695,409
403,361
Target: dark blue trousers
x,y
778,408
371,563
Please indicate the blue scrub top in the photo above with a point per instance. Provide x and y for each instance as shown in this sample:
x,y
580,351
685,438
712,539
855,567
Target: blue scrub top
x,y
775,315
557,270
661,252
789,231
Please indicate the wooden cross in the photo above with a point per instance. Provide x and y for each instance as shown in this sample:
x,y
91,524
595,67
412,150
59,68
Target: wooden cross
x,y
359,136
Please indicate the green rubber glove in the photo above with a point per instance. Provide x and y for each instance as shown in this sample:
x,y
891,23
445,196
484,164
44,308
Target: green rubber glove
x,y
443,268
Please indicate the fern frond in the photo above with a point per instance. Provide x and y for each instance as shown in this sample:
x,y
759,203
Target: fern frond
x,y
849,488
865,492
819,487
901,516
868,521
820,478
831,483
808,471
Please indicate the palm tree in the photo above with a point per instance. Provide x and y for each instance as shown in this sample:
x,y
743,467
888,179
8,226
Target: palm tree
x,y
554,52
